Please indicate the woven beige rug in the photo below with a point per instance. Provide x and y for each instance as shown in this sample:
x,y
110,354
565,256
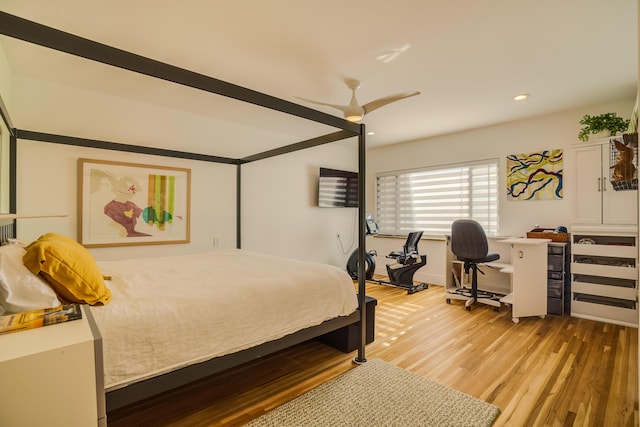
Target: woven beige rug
x,y
378,393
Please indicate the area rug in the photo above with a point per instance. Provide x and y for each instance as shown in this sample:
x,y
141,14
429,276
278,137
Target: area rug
x,y
378,393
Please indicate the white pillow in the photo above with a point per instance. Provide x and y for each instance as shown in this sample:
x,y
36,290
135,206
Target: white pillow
x,y
21,290
21,243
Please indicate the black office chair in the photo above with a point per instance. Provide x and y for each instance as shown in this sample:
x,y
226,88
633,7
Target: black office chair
x,y
469,244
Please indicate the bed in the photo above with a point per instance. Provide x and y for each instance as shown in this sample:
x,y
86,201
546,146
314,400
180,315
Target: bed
x,y
126,387
237,299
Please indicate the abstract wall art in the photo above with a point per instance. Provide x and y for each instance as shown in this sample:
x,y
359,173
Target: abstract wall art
x,y
535,176
131,204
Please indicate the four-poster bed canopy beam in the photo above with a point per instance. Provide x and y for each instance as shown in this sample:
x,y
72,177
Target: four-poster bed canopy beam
x,y
115,146
52,38
313,142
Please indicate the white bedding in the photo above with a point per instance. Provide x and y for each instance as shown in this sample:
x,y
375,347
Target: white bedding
x,y
170,312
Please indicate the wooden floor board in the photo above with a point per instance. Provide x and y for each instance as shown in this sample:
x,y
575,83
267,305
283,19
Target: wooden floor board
x,y
556,371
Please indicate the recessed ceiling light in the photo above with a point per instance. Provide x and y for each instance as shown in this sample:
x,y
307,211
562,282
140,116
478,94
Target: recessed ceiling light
x,y
521,97
371,133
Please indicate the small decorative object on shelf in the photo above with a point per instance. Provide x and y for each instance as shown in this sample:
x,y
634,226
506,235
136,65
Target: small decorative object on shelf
x,y
610,122
623,171
556,235
38,318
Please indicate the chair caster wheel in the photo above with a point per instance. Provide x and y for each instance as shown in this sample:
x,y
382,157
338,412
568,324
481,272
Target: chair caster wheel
x,y
468,308
496,309
448,300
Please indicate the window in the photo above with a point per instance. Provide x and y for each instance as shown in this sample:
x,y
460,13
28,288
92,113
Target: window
x,y
431,199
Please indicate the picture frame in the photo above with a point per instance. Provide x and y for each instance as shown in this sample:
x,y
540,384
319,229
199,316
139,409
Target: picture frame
x,y
127,204
535,176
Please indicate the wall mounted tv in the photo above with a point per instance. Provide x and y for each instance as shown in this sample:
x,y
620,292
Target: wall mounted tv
x,y
337,189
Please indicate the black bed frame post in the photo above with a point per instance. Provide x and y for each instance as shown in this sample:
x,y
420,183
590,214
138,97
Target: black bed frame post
x,y
238,206
13,165
13,173
362,336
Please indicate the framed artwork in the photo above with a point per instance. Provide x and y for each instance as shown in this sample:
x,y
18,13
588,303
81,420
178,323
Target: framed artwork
x,y
122,204
535,176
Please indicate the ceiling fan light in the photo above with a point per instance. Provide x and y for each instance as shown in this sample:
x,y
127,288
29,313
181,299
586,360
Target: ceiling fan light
x,y
354,117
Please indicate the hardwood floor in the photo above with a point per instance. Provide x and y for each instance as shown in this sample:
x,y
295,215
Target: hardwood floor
x,y
556,371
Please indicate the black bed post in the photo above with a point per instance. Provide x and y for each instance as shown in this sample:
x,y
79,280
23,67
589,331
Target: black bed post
x,y
13,166
238,205
362,336
13,173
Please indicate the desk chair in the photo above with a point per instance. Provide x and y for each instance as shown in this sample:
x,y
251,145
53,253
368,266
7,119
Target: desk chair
x,y
469,244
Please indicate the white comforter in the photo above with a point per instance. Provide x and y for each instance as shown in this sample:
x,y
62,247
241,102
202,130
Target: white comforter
x,y
169,312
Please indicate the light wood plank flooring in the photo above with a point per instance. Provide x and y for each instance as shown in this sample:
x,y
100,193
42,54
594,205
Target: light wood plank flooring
x,y
557,371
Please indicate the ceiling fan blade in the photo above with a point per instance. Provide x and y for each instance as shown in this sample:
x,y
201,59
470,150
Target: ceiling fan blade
x,y
342,108
374,105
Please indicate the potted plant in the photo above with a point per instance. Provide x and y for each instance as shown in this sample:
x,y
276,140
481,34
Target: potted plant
x,y
631,135
603,122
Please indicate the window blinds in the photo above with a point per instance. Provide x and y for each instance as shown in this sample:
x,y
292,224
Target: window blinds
x,y
431,199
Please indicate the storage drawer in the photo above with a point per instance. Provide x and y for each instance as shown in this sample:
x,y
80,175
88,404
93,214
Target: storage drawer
x,y
605,250
556,249
556,263
604,313
604,270
604,290
555,275
554,288
554,306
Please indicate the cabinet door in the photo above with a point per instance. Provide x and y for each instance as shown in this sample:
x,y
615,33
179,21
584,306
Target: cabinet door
x,y
595,201
587,207
529,279
618,207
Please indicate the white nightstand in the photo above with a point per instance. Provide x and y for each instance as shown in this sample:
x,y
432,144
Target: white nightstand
x,y
52,376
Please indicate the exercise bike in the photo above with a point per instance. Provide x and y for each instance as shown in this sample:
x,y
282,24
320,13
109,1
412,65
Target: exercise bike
x,y
400,273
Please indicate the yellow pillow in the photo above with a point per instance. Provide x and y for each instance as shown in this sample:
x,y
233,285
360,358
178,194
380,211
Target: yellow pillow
x,y
69,268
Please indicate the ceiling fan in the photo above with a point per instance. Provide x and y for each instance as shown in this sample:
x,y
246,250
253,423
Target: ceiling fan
x,y
354,112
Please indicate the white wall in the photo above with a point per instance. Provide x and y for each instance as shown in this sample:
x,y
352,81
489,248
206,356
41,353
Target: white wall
x,y
280,213
47,183
5,85
515,217
5,78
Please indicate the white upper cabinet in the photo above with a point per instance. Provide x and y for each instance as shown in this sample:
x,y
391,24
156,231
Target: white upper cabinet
x,y
595,200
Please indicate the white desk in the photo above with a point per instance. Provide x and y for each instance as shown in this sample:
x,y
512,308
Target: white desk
x,y
492,280
528,271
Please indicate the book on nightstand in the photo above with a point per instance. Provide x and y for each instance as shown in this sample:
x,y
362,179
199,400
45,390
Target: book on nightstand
x,y
37,318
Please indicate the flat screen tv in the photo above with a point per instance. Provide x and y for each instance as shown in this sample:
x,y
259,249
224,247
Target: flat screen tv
x,y
337,189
